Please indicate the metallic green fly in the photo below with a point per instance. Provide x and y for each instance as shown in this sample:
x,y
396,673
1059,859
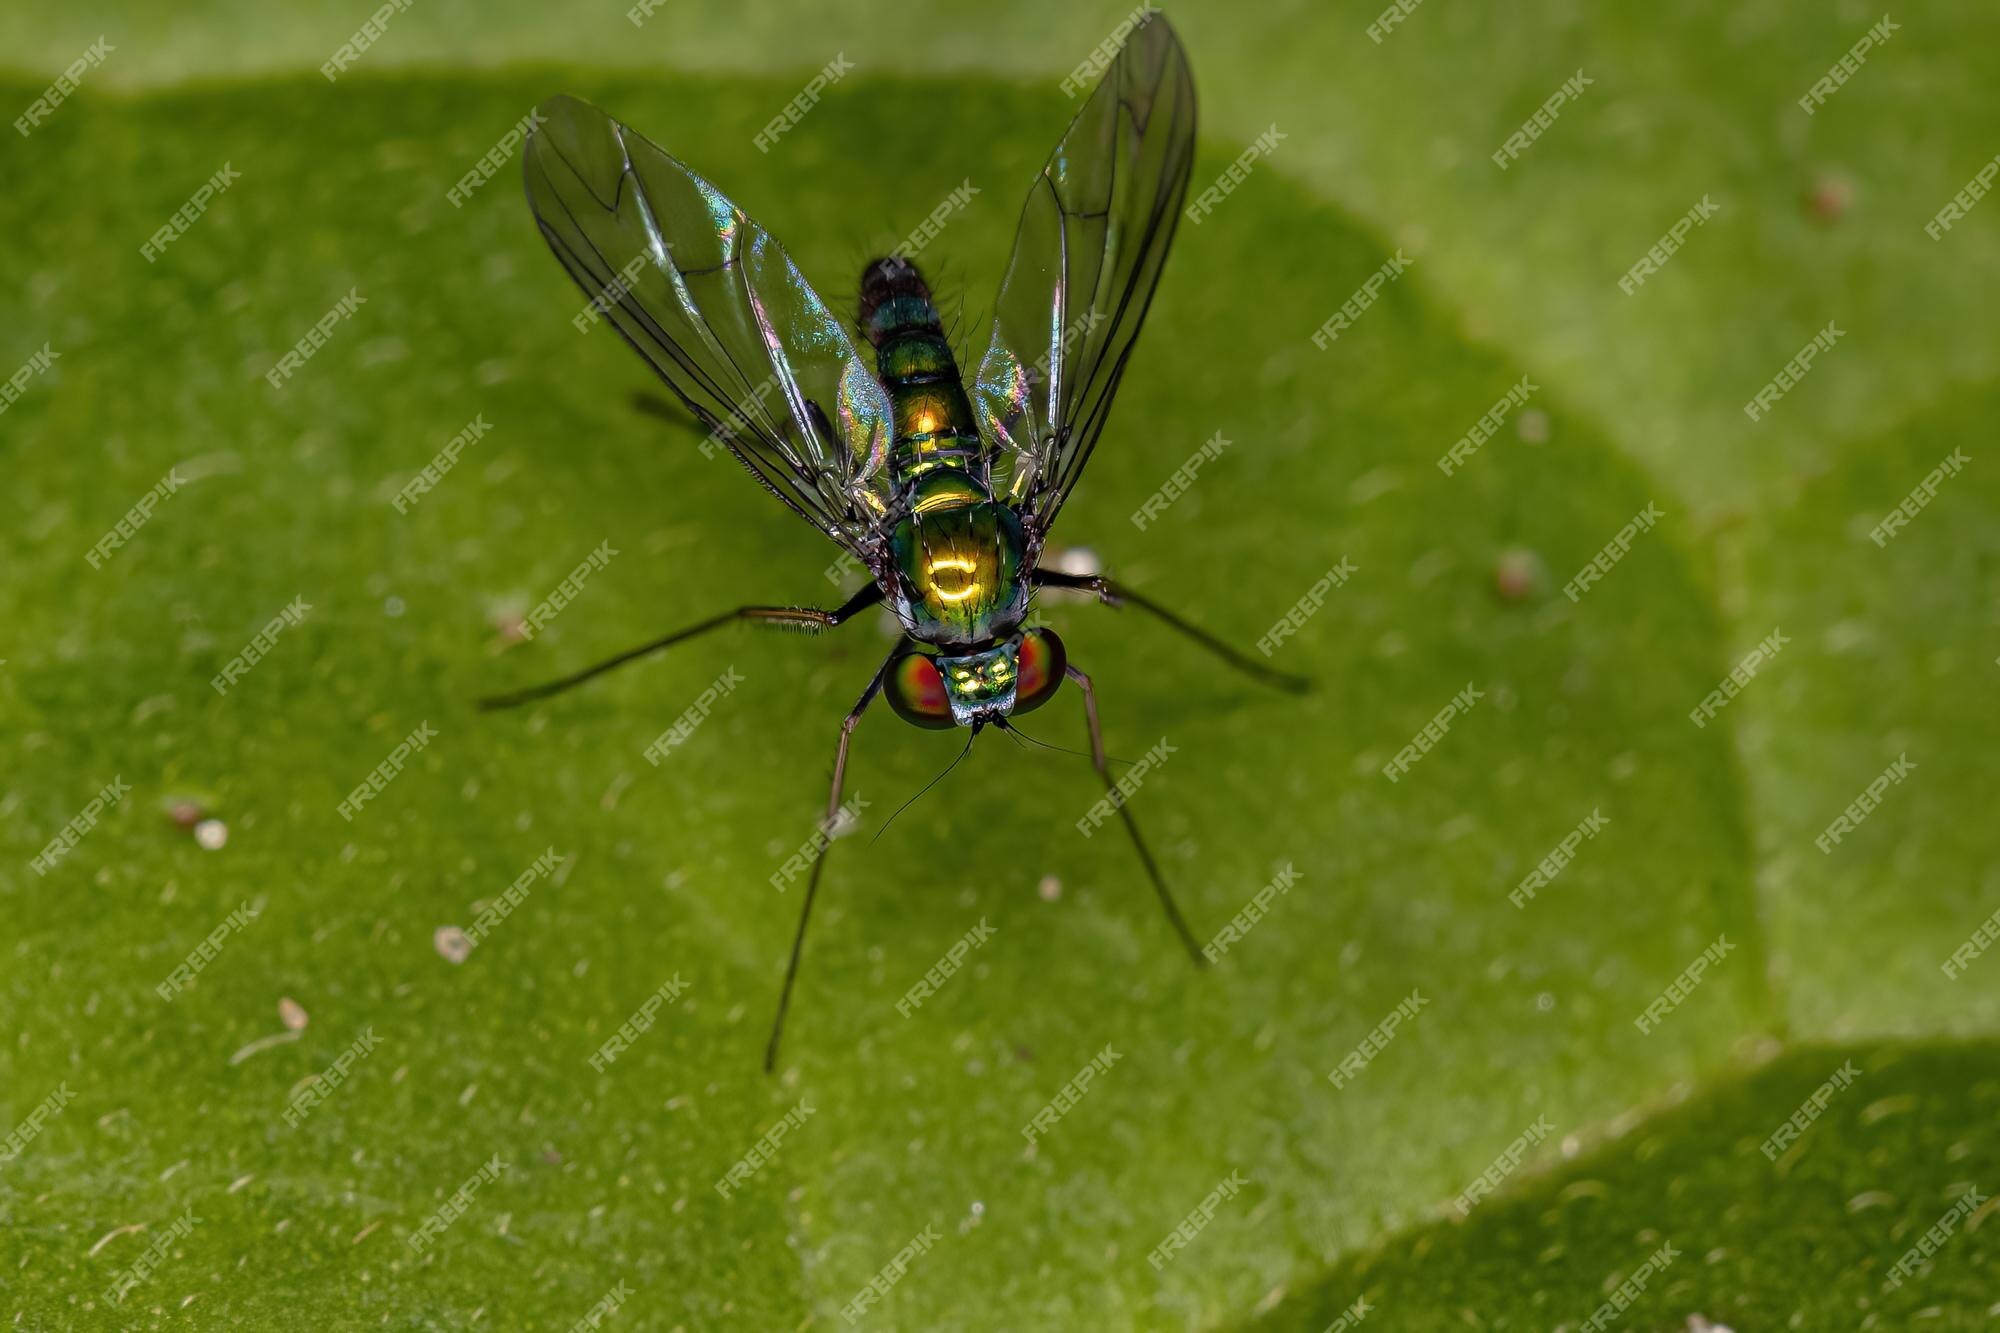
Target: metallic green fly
x,y
946,496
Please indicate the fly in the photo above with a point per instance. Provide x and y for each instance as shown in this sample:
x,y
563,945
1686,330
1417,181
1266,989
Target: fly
x,y
944,491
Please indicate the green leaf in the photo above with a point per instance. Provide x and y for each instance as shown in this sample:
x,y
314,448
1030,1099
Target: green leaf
x,y
1523,1014
1719,1207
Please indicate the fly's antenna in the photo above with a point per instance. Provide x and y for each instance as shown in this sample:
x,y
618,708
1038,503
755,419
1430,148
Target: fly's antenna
x,y
927,786
1014,730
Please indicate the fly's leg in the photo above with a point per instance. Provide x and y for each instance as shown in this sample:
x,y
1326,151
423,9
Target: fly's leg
x,y
819,856
1103,767
808,619
1117,594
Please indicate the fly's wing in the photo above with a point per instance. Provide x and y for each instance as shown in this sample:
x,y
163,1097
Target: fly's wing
x,y
1093,236
719,311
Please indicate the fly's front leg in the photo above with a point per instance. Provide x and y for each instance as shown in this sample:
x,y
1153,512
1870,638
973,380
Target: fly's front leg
x,y
1103,767
819,856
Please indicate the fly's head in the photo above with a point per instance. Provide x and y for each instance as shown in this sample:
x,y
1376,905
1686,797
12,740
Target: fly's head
x,y
971,689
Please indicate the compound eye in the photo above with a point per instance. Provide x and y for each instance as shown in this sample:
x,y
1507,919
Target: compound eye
x,y
1042,661
916,692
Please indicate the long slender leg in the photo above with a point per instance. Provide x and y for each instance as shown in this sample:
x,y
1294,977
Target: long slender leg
x,y
809,619
1098,761
1116,594
819,857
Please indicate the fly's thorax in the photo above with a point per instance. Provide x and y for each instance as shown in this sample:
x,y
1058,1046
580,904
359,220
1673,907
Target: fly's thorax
x,y
957,557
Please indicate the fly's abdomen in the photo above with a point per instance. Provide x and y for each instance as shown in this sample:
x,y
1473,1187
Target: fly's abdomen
x,y
934,426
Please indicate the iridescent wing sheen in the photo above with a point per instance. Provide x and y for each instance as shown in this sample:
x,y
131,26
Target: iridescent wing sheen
x,y
719,311
1093,237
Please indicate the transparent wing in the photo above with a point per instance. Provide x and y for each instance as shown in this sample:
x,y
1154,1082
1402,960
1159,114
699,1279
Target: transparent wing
x,y
719,311
1093,237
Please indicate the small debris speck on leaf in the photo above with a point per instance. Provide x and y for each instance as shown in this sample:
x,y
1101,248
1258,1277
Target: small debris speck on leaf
x,y
451,944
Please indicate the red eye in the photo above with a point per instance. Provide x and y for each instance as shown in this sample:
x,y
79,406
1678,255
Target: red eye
x,y
1042,665
916,692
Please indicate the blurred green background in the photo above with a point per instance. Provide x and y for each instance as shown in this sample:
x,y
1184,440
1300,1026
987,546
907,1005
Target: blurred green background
x,y
175,1107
